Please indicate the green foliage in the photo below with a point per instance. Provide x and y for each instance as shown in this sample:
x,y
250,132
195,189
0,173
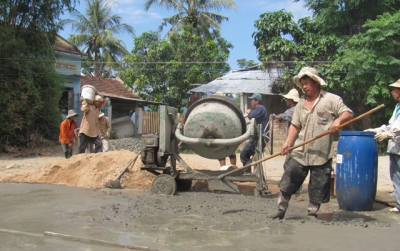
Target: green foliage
x,y
161,70
29,85
357,58
96,30
244,63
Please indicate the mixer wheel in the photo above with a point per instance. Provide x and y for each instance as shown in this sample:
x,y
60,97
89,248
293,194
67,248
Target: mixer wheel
x,y
164,184
183,185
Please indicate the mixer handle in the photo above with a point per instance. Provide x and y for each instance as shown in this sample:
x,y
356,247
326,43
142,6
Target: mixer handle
x,y
215,142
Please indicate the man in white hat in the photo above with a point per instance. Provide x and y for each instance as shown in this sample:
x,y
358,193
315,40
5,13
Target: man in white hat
x,y
391,133
105,130
291,99
317,112
89,129
67,135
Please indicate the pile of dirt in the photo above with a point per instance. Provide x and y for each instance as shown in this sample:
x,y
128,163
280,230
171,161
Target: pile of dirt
x,y
89,171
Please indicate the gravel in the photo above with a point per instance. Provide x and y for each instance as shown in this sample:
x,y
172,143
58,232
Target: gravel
x,y
132,144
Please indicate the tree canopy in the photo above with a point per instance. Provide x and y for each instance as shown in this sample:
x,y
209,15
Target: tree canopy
x,y
164,71
244,63
29,85
196,13
96,34
351,43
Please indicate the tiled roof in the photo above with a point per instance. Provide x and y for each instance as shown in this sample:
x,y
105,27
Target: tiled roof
x,y
65,46
108,86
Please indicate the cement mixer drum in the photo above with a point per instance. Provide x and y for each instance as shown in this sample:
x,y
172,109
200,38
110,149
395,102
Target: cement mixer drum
x,y
214,117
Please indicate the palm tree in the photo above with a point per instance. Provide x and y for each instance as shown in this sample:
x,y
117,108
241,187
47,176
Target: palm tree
x,y
195,13
97,29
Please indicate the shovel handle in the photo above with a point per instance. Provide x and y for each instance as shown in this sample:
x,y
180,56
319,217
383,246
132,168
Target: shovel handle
x,y
305,142
126,168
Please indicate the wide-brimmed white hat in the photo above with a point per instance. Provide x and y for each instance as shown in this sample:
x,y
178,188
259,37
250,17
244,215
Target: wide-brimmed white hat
x,y
395,84
72,113
292,94
310,72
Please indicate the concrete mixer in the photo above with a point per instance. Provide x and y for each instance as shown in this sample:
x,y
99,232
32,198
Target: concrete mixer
x,y
214,127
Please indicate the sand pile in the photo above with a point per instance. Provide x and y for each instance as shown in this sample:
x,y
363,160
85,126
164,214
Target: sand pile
x,y
89,171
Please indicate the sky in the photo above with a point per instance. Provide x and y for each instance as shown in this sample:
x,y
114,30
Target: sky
x,y
237,30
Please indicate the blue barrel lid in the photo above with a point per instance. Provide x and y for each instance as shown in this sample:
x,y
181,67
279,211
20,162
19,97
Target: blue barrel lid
x,y
356,133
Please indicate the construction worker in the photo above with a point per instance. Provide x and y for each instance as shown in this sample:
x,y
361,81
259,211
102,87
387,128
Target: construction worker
x,y
105,129
291,99
67,136
259,113
89,129
317,112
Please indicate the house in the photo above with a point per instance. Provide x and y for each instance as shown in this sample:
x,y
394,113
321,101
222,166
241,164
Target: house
x,y
245,83
68,64
121,105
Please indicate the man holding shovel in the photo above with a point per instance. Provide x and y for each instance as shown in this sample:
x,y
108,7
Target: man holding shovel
x,y
317,112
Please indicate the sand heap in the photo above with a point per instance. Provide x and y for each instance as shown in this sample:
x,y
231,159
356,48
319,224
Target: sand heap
x,y
89,171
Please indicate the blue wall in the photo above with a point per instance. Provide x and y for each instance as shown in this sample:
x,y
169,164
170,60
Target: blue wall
x,y
72,76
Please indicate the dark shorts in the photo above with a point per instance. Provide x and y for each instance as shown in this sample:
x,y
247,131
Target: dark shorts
x,y
319,183
232,156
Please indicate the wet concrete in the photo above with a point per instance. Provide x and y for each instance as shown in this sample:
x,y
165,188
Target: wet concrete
x,y
187,221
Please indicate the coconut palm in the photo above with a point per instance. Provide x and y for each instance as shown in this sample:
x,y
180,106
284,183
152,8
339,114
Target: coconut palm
x,y
97,28
195,13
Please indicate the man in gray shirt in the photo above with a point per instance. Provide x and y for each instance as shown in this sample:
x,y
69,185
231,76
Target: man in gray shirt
x,y
317,112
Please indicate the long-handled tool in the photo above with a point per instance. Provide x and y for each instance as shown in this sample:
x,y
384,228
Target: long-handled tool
x,y
302,144
117,182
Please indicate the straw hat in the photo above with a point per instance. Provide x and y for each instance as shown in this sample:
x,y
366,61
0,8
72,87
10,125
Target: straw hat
x,y
310,72
219,94
292,94
72,113
395,84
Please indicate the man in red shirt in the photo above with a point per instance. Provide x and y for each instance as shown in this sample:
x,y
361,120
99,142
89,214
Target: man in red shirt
x,y
67,135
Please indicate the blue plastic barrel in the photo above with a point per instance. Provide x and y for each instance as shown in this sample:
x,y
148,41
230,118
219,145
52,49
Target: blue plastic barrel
x,y
356,170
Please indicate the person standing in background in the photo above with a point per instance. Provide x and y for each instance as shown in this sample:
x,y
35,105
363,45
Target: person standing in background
x,y
232,157
291,99
391,133
67,135
259,113
89,129
105,130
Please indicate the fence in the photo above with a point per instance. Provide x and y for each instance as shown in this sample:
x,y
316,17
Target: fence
x,y
150,122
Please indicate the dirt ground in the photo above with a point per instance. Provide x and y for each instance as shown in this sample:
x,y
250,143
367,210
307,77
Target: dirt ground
x,y
196,220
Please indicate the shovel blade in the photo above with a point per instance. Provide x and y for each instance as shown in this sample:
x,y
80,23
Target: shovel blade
x,y
223,185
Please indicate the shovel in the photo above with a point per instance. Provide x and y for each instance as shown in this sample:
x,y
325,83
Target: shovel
x,y
117,182
302,144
